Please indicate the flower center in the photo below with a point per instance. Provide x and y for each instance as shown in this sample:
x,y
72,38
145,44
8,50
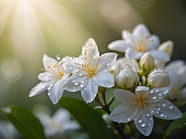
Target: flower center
x,y
56,71
89,70
143,44
140,103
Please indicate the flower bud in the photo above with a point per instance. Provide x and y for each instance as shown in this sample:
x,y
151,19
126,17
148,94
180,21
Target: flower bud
x,y
147,62
127,78
167,47
158,78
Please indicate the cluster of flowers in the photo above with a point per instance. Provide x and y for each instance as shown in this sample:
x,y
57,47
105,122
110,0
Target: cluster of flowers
x,y
144,85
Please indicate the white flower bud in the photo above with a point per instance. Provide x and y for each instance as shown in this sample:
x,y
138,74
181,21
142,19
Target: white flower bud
x,y
167,47
147,62
127,78
158,78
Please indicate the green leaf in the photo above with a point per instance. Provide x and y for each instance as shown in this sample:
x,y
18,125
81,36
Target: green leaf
x,y
25,122
89,118
175,126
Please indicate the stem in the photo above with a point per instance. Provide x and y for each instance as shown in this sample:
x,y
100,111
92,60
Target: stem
x,y
105,107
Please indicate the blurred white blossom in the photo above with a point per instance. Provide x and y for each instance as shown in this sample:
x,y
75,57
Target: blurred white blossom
x,y
138,42
58,124
177,74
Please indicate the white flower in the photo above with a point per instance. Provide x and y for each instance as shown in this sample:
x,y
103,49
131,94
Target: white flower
x,y
52,79
8,131
58,124
177,75
90,70
138,42
158,78
141,107
127,78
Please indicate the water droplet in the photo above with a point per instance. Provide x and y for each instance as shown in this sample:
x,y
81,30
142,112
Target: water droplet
x,y
150,118
159,94
76,83
74,90
7,110
156,90
94,57
109,59
80,74
139,121
73,81
70,58
128,119
82,82
87,44
161,114
76,70
147,114
58,57
48,94
158,108
153,97
70,68
142,125
163,104
80,56
164,116
49,88
108,64
82,85
170,107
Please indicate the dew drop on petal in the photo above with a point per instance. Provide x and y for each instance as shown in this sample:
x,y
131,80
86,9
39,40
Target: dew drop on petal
x,y
156,90
142,125
58,57
150,118
161,114
139,120
74,90
128,119
109,59
159,94
163,104
164,116
76,83
70,68
70,58
80,74
48,94
153,97
94,57
76,70
170,107
82,82
49,88
108,64
73,81
82,85
147,114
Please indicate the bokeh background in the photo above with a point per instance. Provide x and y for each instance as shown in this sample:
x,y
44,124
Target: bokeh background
x,y
31,28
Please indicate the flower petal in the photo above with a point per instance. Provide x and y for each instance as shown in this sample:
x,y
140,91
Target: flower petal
x,y
166,110
47,61
89,50
154,42
39,88
89,91
144,123
142,91
56,92
160,55
133,54
46,77
139,30
129,38
104,79
122,114
106,61
126,97
119,45
156,94
61,116
73,83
